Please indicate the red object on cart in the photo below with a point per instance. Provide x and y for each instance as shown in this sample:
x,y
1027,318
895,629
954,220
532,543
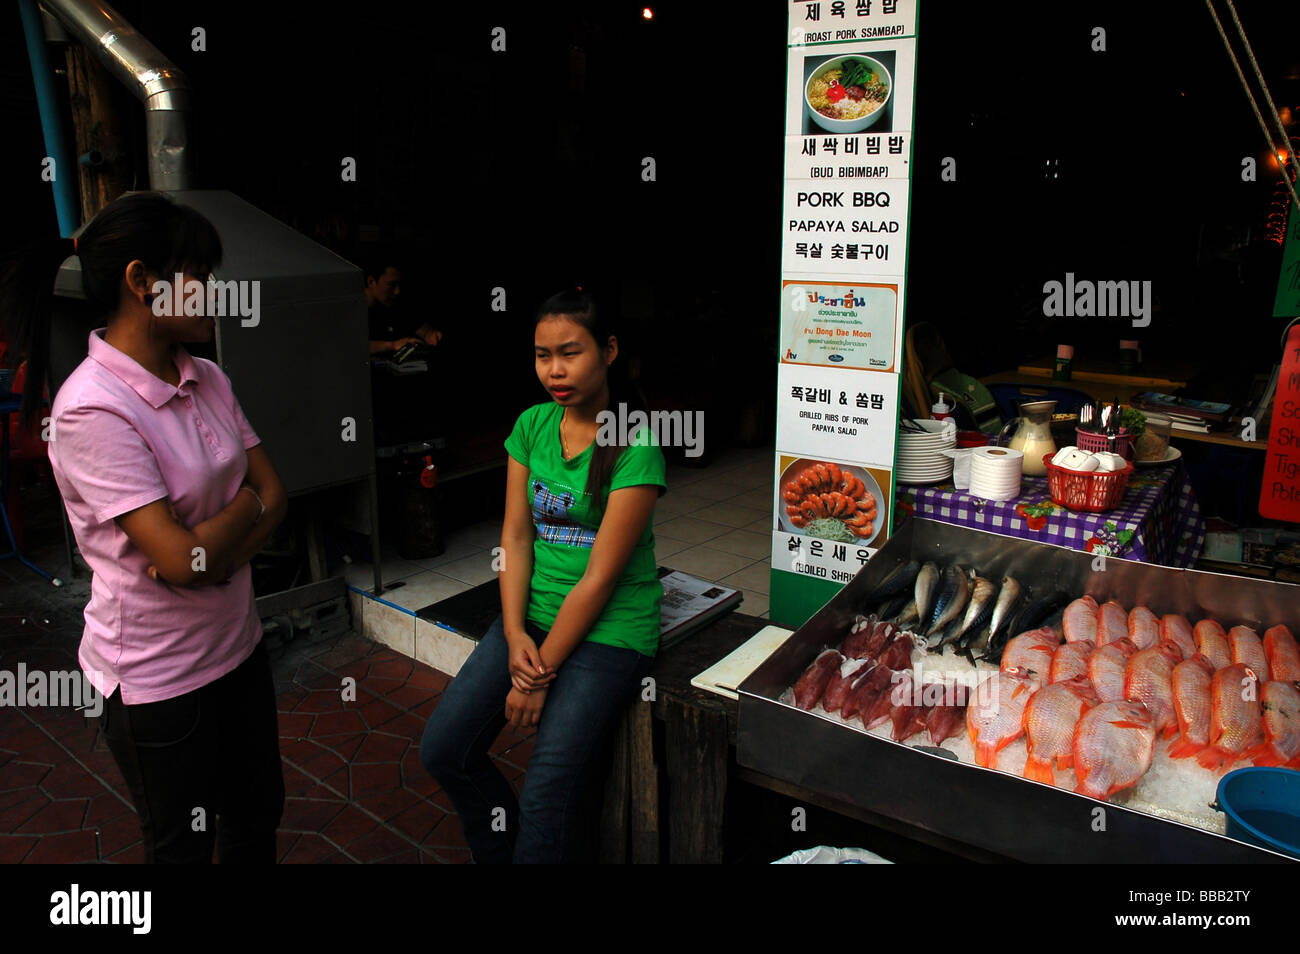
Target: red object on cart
x,y
1095,441
1091,490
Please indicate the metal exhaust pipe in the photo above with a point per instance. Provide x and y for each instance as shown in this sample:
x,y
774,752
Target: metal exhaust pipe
x,y
152,77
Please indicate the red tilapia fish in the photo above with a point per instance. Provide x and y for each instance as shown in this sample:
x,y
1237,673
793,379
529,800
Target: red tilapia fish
x,y
1031,654
1212,643
1049,721
808,690
1148,679
1144,628
1193,704
1281,746
1080,620
1113,747
1283,654
1235,719
1071,659
1248,650
995,715
1112,623
1106,668
1177,630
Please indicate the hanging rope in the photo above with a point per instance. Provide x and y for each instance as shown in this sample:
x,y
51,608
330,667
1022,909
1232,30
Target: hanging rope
x,y
1290,158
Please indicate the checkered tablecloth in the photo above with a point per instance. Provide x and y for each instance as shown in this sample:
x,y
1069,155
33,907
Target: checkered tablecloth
x,y
1158,520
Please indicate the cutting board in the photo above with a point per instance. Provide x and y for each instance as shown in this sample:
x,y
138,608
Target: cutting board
x,y
729,672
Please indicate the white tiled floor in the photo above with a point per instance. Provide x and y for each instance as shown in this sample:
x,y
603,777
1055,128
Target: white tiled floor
x,y
714,522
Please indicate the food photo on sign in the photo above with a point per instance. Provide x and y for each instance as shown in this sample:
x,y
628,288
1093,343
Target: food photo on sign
x,y
849,93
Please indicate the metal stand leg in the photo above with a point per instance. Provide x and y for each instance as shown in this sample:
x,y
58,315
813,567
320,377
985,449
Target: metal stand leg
x,y
374,531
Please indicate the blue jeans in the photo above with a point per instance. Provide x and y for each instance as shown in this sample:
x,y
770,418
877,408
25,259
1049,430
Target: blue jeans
x,y
582,706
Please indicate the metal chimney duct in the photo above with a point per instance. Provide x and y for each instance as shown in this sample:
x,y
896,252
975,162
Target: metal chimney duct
x,y
155,79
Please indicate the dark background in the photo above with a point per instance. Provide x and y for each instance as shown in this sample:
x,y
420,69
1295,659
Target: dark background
x,y
523,170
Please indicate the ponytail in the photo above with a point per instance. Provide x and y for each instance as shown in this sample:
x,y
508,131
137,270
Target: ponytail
x,y
148,226
26,294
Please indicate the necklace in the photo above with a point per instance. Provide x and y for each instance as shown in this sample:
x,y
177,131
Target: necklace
x,y
564,445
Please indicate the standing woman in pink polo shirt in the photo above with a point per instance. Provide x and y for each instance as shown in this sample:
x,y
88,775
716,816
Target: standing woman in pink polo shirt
x,y
169,494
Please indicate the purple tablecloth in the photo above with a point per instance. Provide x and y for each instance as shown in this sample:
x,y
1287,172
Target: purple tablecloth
x,y
1157,521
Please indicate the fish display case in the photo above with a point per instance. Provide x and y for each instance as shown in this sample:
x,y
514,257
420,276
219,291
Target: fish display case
x,y
991,810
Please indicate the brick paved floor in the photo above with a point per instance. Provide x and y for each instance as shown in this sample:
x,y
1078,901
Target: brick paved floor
x,y
355,789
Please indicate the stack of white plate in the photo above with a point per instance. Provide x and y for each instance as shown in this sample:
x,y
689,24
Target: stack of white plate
x,y
920,455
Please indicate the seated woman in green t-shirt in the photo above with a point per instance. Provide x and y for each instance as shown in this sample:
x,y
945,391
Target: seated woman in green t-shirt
x,y
580,597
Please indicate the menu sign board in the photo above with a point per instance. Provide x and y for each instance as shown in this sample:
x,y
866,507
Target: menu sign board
x,y
851,77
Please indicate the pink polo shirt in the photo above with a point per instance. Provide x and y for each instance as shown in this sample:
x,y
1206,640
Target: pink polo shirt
x,y
122,438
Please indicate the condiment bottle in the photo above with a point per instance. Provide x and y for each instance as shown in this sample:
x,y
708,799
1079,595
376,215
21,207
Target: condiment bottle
x,y
940,410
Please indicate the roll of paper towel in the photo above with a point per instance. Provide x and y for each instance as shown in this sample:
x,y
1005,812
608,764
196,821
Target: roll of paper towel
x,y
995,473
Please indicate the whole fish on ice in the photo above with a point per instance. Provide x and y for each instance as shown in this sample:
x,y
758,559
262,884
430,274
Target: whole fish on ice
x,y
1281,725
1070,660
1212,643
1050,719
1007,603
1235,718
1248,650
1113,747
1031,654
1148,679
954,592
1112,623
1193,704
1282,653
925,590
995,715
979,608
1080,620
1144,628
1178,631
1106,668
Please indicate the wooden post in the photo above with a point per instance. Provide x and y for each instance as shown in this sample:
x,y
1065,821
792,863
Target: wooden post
x,y
644,785
96,127
614,806
696,742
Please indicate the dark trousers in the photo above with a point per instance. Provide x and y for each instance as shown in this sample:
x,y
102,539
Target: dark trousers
x,y
584,702
212,753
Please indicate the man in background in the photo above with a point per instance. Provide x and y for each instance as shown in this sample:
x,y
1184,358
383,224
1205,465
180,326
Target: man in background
x,y
391,327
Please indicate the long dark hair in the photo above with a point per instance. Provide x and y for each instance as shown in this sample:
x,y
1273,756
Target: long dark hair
x,y
580,306
148,226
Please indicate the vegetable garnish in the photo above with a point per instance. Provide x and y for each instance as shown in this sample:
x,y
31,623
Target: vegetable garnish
x,y
855,73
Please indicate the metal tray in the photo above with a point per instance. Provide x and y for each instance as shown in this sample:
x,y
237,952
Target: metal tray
x,y
986,808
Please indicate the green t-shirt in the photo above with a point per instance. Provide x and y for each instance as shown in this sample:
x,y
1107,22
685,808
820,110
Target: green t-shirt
x,y
566,529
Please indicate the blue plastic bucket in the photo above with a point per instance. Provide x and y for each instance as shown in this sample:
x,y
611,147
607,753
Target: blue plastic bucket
x,y
1262,806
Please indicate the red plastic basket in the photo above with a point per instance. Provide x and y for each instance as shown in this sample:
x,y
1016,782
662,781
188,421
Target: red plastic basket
x,y
1093,491
1092,442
